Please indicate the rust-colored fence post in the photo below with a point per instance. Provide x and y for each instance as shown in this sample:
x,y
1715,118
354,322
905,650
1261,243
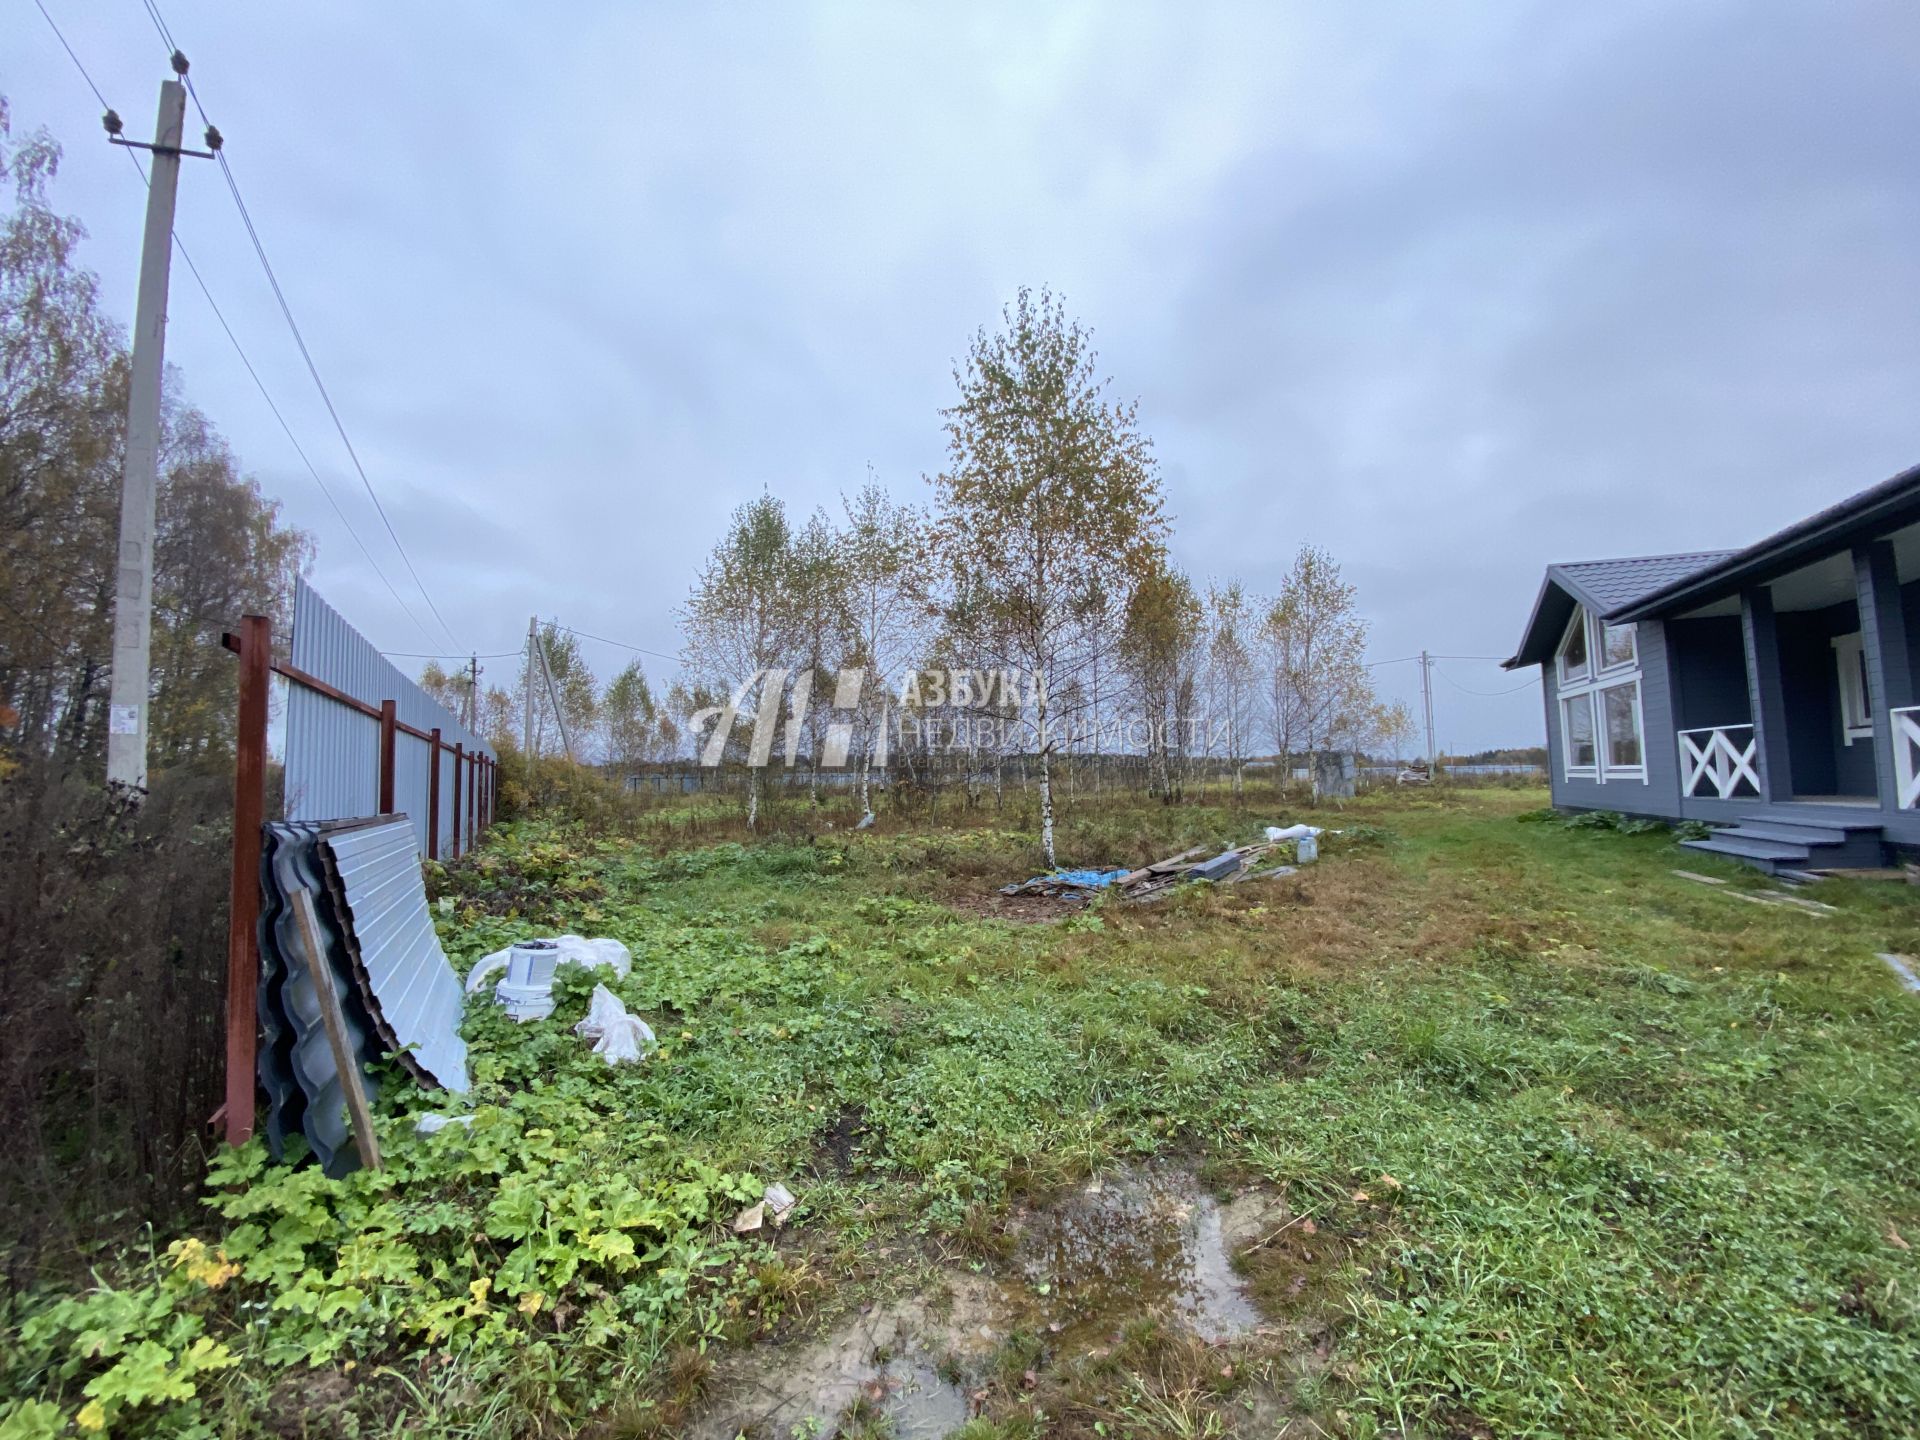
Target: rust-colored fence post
x,y
473,801
254,646
459,757
388,727
433,795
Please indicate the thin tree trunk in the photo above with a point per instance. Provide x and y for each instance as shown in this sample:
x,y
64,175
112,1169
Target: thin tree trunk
x,y
1046,805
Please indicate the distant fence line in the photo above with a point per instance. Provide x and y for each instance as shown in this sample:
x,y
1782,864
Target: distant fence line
x,y
690,778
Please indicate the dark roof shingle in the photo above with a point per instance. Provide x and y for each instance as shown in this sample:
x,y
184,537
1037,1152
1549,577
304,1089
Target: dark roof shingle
x,y
1614,583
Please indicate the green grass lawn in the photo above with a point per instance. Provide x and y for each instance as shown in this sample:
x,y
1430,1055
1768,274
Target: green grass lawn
x,y
1598,1150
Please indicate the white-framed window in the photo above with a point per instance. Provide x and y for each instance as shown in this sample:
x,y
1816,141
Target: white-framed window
x,y
1618,648
1575,665
1576,734
1620,729
1850,659
1602,730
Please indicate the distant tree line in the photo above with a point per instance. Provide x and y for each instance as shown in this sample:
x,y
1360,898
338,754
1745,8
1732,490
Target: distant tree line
x,y
1043,557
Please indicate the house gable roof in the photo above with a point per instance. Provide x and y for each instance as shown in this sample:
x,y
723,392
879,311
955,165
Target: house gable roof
x,y
1603,586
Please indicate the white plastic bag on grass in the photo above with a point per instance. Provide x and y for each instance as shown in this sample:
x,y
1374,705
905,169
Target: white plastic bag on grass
x,y
626,1041
1292,832
618,1035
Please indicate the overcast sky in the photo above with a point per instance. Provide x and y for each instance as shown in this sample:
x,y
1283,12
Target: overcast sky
x,y
1452,290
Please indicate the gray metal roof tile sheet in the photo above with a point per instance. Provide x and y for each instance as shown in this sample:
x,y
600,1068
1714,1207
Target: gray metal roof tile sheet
x,y
1614,583
415,992
296,1065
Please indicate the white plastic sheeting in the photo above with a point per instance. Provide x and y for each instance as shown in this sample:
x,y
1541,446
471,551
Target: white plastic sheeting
x,y
619,1036
571,950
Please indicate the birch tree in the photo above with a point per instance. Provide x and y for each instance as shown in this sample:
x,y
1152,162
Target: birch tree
x,y
882,547
1051,497
630,720
1232,681
1158,644
1319,690
741,621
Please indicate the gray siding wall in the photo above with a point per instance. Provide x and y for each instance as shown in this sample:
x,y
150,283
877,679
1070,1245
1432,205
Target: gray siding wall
x,y
1823,763
1659,794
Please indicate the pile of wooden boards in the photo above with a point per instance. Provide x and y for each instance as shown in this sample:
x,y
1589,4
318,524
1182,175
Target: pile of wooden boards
x,y
1229,867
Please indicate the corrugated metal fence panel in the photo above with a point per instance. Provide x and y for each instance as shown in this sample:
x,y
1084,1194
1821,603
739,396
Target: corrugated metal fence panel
x,y
413,985
333,752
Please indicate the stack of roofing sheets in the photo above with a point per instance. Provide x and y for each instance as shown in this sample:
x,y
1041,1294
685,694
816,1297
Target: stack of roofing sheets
x,y
398,995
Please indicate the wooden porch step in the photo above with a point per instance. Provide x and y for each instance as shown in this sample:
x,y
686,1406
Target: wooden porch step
x,y
1787,834
1768,852
1867,819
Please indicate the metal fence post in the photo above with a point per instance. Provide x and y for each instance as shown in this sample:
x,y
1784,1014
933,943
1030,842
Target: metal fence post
x,y
254,646
389,716
459,755
473,802
433,795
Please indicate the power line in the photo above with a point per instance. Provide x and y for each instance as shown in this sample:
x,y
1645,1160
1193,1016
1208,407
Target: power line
x,y
447,655
1488,694
286,311
1401,660
239,349
619,644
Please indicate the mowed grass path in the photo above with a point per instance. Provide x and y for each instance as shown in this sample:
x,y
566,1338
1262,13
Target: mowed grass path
x,y
1616,1153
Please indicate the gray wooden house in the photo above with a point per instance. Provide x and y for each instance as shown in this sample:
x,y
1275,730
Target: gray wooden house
x,y
1770,691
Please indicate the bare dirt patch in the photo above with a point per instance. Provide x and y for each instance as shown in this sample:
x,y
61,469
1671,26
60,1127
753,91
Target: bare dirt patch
x,y
1135,1298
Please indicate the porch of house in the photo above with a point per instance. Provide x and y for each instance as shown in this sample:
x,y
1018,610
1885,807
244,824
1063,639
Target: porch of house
x,y
1798,727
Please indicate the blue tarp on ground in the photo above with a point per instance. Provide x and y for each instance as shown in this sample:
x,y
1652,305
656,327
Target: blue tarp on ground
x,y
1085,879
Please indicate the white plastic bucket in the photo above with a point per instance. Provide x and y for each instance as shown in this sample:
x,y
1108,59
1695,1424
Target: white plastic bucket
x,y
532,963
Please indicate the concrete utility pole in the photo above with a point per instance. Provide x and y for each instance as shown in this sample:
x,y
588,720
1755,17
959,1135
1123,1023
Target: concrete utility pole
x,y
1426,701
473,692
133,585
533,622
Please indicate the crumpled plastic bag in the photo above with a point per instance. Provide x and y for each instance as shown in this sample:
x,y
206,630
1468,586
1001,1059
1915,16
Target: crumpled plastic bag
x,y
619,1036
1292,832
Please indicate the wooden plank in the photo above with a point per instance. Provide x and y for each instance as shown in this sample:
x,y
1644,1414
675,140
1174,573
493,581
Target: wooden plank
x,y
1178,862
318,967
1816,907
1696,875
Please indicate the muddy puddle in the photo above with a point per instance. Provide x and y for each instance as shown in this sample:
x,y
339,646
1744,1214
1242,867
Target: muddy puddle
x,y
1135,1241
1140,1240
908,1361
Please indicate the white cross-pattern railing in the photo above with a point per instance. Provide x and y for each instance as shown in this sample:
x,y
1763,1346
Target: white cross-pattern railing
x,y
1906,754
1722,757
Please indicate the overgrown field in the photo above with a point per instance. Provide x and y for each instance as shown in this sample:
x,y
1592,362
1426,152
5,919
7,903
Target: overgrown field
x,y
1595,1150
